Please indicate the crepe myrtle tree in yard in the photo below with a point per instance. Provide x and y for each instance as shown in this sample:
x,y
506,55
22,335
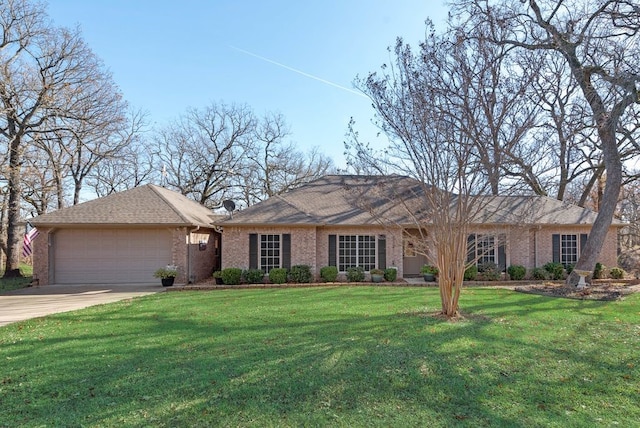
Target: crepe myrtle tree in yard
x,y
417,101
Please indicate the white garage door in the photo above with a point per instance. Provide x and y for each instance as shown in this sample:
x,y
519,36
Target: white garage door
x,y
117,256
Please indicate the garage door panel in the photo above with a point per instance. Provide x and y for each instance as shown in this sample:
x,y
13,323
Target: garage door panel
x,y
86,256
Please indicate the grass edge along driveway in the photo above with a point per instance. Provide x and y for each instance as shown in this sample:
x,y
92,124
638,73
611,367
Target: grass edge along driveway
x,y
344,356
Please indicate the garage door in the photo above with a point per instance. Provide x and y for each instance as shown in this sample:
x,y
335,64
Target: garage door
x,y
118,256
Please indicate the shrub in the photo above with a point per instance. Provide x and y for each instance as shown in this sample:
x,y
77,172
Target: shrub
x,y
429,269
329,273
570,269
253,276
556,270
598,271
539,273
169,271
517,272
616,273
278,275
300,274
489,271
471,273
390,274
355,274
231,276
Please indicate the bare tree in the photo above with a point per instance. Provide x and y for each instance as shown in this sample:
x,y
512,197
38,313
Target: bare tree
x,y
132,165
40,190
204,149
275,166
38,66
93,128
412,98
600,43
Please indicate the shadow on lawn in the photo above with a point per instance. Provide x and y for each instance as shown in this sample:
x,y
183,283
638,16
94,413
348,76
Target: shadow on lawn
x,y
245,359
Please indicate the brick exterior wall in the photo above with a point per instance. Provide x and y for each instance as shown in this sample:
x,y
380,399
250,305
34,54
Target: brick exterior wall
x,y
543,251
309,245
235,245
393,243
204,249
41,257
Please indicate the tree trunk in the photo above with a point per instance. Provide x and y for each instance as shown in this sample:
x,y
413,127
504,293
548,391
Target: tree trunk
x,y
600,228
12,265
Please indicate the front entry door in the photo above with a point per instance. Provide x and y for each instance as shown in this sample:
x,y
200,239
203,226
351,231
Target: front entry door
x,y
412,262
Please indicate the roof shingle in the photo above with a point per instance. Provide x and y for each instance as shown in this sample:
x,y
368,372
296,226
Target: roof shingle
x,y
145,205
351,200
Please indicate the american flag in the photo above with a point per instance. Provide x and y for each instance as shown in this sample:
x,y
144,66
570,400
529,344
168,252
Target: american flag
x,y
27,242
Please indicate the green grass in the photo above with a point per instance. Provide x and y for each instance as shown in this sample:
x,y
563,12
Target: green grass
x,y
15,283
350,356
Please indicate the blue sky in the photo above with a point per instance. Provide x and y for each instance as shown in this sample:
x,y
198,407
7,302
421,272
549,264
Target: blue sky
x,y
167,56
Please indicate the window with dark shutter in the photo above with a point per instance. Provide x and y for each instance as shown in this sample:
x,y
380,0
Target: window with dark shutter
x,y
555,247
471,248
502,257
333,254
286,251
382,252
253,251
583,241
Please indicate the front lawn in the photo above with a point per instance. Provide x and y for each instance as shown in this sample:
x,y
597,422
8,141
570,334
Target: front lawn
x,y
344,356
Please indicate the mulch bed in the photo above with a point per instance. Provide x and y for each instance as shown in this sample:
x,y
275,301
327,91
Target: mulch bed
x,y
600,290
596,291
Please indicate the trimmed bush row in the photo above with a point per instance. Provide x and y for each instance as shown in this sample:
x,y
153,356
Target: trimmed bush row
x,y
300,274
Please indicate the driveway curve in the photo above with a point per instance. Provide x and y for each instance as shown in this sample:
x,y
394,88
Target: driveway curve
x,y
33,302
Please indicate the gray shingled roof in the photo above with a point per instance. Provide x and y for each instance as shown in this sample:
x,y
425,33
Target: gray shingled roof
x,y
331,200
325,201
145,206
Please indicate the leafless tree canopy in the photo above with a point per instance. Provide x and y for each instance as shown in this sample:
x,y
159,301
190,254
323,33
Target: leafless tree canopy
x,y
598,42
227,152
58,105
543,95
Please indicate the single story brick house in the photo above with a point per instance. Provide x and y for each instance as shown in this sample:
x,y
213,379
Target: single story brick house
x,y
124,238
339,220
324,222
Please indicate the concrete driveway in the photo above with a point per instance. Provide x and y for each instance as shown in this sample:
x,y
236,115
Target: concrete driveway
x,y
32,302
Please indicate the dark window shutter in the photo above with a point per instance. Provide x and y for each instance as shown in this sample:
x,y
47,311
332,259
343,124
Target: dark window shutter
x,y
471,248
382,252
502,256
333,259
583,241
555,247
286,251
253,251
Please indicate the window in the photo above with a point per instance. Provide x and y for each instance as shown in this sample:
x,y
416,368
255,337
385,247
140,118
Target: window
x,y
566,248
487,249
356,250
270,252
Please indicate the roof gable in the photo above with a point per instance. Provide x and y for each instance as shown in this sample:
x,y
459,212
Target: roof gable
x,y
331,200
144,205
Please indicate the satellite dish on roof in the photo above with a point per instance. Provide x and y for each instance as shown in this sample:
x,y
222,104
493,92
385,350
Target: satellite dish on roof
x,y
229,205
